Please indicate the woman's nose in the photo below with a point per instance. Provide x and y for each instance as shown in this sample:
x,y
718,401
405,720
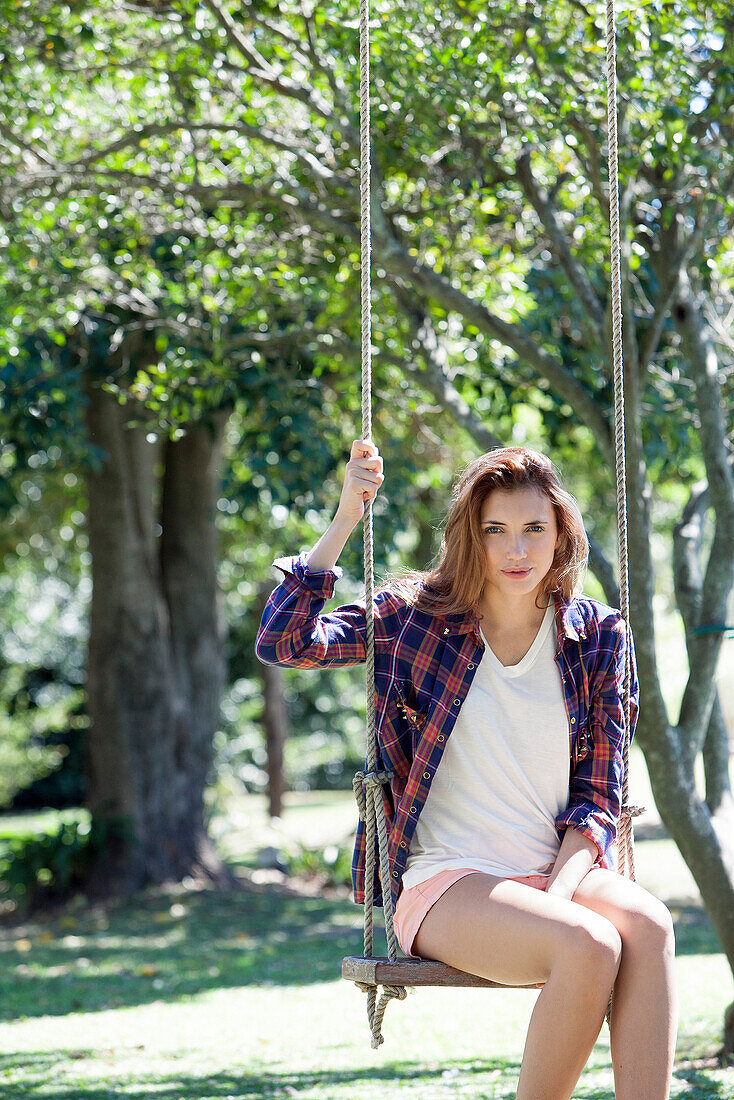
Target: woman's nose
x,y
516,550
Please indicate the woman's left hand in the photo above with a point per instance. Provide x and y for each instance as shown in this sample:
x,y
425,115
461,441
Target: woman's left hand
x,y
575,859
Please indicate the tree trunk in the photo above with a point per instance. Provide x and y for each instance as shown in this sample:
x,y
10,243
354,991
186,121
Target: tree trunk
x,y
275,724
155,666
716,752
276,730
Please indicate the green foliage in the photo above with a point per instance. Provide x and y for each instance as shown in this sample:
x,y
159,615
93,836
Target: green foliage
x,y
42,632
51,862
326,742
218,213
331,865
24,732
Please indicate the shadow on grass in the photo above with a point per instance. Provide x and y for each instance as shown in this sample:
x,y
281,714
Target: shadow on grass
x,y
167,946
268,1083
500,1076
704,1087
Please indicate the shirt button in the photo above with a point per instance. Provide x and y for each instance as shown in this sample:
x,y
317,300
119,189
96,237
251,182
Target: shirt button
x,y
572,721
403,844
470,666
413,810
394,874
426,775
447,631
440,737
457,702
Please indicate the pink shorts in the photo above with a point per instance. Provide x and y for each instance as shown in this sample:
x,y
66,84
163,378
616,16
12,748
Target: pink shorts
x,y
413,904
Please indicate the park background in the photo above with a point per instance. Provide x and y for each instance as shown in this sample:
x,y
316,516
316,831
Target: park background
x,y
180,361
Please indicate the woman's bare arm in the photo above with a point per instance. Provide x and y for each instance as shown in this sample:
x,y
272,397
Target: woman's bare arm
x,y
362,480
575,859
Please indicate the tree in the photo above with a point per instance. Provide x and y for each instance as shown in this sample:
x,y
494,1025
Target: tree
x,y
156,665
489,217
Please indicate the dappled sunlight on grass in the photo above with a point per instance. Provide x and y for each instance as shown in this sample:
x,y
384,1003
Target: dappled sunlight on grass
x,y
171,947
306,1041
187,994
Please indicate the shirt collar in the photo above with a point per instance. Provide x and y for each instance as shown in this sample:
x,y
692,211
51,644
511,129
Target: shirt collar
x,y
569,622
461,623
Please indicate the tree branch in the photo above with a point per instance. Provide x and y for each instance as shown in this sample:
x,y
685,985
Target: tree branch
x,y
434,375
630,345
688,582
548,214
716,760
687,540
314,166
263,71
431,377
300,205
593,166
33,150
602,568
398,261
669,271
294,203
704,649
338,89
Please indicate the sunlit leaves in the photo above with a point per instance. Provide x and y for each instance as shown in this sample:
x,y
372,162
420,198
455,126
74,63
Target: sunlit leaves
x,y
204,174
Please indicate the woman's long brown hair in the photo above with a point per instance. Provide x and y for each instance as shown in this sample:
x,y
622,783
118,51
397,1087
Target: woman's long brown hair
x,y
454,585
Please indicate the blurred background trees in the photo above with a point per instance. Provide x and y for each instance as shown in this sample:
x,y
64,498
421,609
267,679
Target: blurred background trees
x,y
180,330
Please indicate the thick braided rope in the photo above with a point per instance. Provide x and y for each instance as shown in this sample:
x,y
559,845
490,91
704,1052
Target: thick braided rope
x,y
367,788
369,796
625,843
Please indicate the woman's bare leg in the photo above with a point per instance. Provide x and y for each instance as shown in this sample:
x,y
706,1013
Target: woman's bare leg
x,y
644,1014
512,933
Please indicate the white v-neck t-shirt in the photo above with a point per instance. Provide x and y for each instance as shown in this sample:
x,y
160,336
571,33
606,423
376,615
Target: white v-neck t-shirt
x,y
504,775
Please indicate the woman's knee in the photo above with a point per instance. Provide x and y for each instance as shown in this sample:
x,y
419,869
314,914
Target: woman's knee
x,y
650,930
595,946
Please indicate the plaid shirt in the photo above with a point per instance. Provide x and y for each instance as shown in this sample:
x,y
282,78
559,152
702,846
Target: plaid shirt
x,y
424,666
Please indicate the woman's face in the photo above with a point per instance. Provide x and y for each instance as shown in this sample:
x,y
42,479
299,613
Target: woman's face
x,y
520,538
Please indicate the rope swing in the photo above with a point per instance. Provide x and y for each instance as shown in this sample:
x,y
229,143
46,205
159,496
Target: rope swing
x,y
394,974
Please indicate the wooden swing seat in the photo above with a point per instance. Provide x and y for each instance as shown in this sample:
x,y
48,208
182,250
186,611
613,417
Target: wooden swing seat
x,y
414,972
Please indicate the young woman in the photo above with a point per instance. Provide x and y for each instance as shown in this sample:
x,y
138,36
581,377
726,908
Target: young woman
x,y
501,834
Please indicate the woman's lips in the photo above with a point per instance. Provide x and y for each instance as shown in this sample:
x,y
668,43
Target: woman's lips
x,y
516,572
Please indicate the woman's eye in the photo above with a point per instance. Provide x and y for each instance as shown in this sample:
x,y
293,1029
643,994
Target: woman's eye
x,y
535,527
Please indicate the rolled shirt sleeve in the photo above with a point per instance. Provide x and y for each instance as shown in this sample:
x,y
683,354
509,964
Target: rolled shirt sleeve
x,y
295,632
595,790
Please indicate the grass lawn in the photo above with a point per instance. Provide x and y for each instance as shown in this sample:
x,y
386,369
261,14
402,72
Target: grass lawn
x,y
194,995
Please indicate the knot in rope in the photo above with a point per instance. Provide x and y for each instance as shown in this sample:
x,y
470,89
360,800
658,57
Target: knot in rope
x,y
631,811
376,1008
397,991
364,780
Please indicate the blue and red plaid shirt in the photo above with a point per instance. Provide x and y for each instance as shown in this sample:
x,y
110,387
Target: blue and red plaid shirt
x,y
424,666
